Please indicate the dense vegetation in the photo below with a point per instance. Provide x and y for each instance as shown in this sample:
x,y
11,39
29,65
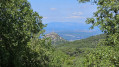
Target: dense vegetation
x,y
80,48
20,45
107,18
20,28
90,42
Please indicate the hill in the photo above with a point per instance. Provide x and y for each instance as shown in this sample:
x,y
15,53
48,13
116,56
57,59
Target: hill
x,y
79,46
55,38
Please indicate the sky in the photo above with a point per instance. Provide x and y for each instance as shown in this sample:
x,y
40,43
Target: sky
x,y
63,10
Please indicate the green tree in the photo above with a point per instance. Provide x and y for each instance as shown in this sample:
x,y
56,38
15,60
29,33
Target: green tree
x,y
19,26
107,19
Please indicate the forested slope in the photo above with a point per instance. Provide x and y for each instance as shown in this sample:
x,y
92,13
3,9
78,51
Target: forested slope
x,y
72,48
90,42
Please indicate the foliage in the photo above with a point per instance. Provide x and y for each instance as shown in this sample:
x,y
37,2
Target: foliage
x,y
79,49
105,56
20,45
20,28
84,43
106,18
60,59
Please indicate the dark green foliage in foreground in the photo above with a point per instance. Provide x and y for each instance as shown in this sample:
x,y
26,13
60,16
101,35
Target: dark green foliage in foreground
x,y
107,18
20,28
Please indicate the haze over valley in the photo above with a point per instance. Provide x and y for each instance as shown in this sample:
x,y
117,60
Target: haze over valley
x,y
71,30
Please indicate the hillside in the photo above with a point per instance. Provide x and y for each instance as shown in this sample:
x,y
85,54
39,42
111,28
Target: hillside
x,y
55,38
88,42
80,46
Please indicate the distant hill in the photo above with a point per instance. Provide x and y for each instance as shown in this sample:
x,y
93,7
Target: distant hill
x,y
71,30
68,26
76,35
55,38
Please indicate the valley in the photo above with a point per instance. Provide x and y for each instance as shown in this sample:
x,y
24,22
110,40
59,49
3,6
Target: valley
x,y
71,31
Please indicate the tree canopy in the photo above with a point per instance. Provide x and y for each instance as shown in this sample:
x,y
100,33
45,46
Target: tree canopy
x,y
20,27
107,19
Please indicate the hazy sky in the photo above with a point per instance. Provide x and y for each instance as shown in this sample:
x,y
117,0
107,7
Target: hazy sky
x,y
63,10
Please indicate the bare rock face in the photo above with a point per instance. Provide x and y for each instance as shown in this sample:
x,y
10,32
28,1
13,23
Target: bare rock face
x,y
56,39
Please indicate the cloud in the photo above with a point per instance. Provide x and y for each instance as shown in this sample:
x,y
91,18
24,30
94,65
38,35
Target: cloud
x,y
86,6
76,15
45,17
52,8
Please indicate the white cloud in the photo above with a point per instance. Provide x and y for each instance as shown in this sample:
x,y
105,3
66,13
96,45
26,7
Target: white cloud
x,y
77,13
45,17
86,6
74,17
52,8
